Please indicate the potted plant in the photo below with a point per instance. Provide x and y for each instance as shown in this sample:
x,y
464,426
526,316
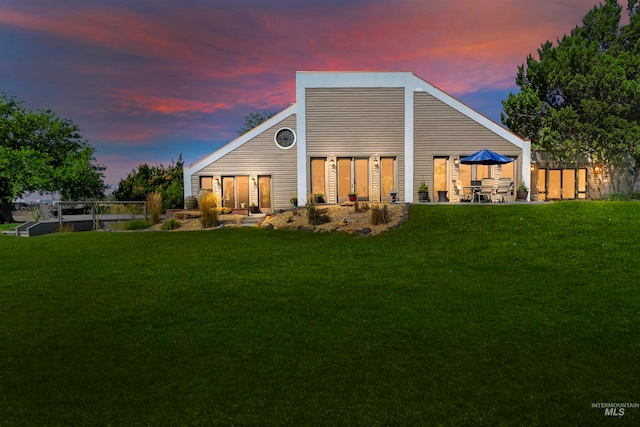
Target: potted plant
x,y
253,208
423,192
294,200
522,192
352,196
319,197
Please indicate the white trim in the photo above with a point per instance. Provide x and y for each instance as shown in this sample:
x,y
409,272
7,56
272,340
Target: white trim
x,y
411,83
526,166
408,143
238,142
301,127
407,80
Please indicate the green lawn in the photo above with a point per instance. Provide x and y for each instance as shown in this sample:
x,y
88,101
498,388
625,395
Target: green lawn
x,y
466,315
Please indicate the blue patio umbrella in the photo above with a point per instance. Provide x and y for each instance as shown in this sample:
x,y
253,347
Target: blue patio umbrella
x,y
485,157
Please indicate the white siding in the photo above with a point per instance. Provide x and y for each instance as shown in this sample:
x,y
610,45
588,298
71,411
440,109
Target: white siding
x,y
260,156
356,122
440,130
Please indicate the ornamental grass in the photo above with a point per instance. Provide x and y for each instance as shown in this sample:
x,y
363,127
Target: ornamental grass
x,y
207,205
154,207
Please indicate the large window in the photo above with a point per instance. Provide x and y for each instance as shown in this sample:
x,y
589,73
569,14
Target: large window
x,y
554,186
242,191
235,191
468,173
353,175
318,183
483,171
465,175
562,184
264,188
542,184
387,178
361,183
344,179
508,170
228,192
569,184
206,183
440,174
582,183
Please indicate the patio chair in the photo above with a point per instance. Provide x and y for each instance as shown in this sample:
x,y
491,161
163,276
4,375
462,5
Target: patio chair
x,y
487,188
505,189
464,194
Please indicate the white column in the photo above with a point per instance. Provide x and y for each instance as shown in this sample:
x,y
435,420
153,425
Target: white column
x,y
526,166
301,140
408,143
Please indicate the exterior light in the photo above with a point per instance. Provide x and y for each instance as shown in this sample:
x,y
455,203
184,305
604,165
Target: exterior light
x,y
456,161
375,163
217,181
533,168
332,163
253,181
597,169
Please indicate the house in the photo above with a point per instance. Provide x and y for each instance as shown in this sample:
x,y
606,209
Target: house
x,y
367,132
552,179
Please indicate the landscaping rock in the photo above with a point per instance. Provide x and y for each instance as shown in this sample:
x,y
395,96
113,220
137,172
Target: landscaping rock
x,y
364,231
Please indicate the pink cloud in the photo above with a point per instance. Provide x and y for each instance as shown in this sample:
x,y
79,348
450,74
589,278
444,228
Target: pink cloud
x,y
181,70
132,102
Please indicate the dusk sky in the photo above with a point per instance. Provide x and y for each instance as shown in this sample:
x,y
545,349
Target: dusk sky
x,y
147,80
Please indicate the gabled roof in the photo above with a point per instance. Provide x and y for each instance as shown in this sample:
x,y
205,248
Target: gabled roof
x,y
471,113
406,79
314,79
243,139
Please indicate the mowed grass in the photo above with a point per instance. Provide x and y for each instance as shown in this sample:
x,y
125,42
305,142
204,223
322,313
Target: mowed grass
x,y
466,315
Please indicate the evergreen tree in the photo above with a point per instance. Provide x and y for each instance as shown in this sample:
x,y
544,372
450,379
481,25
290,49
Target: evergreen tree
x,y
581,97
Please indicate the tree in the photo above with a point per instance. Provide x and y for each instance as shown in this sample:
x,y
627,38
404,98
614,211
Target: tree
x,y
254,119
147,179
581,97
42,152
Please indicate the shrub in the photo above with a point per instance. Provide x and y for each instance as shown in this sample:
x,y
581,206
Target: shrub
x,y
136,224
154,206
173,195
209,217
617,197
314,215
170,224
360,207
380,215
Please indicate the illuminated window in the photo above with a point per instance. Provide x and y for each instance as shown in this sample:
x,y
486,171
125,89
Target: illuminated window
x,y
206,183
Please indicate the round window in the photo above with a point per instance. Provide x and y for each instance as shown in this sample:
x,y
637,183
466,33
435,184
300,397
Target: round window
x,y
285,138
